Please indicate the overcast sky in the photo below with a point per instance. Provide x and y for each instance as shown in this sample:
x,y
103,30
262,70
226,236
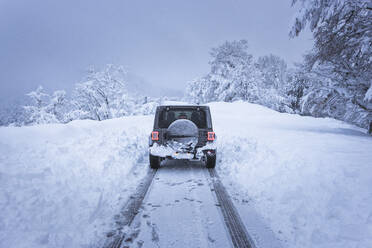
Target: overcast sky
x,y
166,43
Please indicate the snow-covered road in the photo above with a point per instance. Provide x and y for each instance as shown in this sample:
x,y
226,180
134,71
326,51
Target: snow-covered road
x,y
180,211
187,206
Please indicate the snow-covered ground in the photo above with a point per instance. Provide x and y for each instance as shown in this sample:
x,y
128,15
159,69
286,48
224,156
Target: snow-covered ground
x,y
310,179
61,185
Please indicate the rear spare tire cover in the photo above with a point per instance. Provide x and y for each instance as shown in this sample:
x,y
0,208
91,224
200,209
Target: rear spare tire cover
x,y
184,132
183,127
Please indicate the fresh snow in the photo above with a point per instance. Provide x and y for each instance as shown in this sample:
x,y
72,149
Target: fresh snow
x,y
61,185
310,178
307,179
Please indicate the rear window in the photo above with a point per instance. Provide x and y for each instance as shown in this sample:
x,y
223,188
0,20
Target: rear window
x,y
166,117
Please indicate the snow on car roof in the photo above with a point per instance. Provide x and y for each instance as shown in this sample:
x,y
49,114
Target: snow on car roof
x,y
184,106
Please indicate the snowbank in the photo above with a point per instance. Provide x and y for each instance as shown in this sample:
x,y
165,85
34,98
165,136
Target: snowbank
x,y
61,185
310,178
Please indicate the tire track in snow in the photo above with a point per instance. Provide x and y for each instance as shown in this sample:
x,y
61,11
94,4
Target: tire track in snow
x,y
182,208
131,209
238,233
235,227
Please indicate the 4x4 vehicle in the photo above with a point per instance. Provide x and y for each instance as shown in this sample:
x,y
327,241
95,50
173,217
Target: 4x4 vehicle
x,y
182,132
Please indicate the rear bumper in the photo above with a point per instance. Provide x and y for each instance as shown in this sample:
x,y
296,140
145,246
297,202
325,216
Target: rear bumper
x,y
198,153
187,156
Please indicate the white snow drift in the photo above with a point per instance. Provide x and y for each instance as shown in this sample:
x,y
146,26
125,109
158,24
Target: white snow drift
x,y
61,185
310,179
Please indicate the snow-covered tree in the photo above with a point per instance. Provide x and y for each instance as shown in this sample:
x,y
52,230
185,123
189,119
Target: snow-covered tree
x,y
45,108
12,114
201,90
274,71
340,61
59,105
319,92
233,75
103,95
343,41
296,83
146,105
342,32
274,88
233,72
40,111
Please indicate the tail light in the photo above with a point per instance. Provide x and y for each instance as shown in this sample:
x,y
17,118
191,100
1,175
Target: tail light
x,y
211,136
155,135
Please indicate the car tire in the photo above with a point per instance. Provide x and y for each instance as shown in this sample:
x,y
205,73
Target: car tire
x,y
154,162
210,161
